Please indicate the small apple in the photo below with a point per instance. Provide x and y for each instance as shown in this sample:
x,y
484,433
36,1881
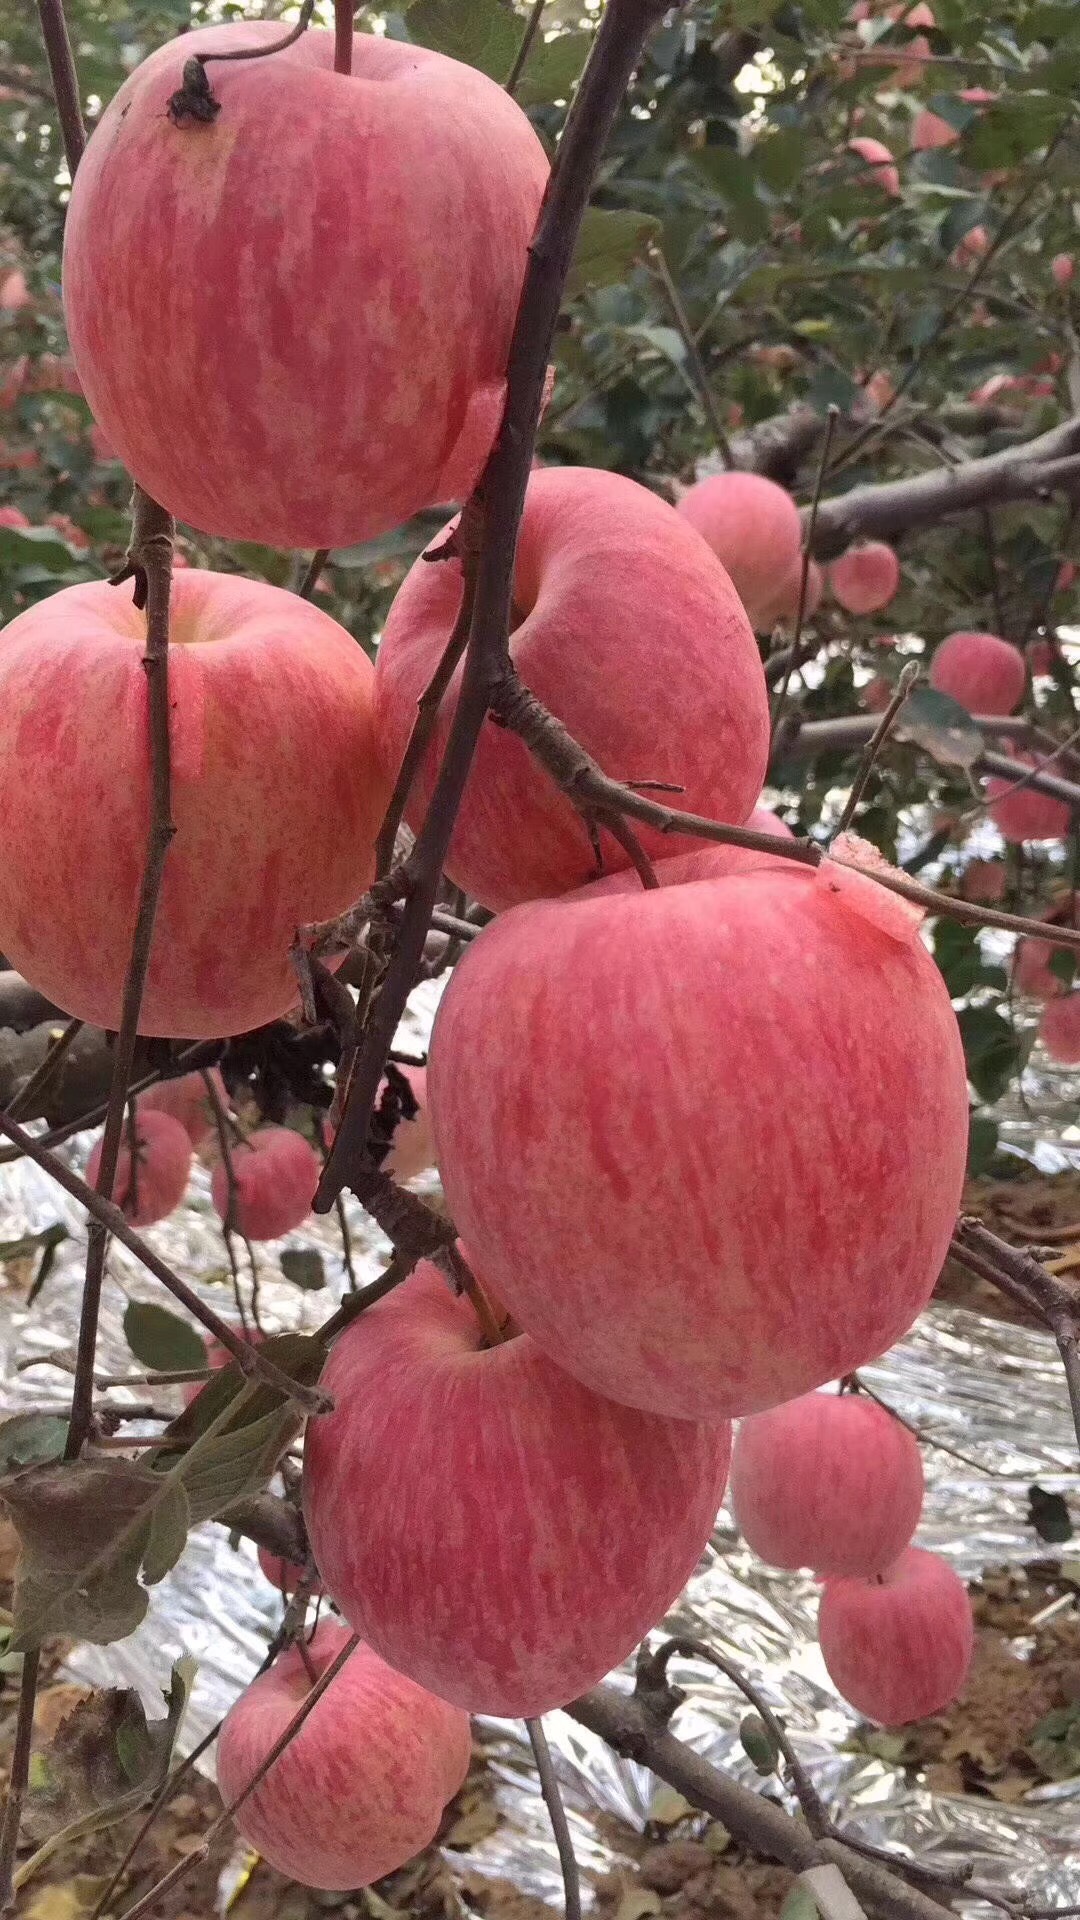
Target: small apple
x,y
898,1645
865,578
162,1166
985,673
276,1173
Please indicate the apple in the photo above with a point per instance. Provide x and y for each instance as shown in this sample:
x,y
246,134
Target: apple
x,y
276,1172
1059,1029
1040,657
1032,971
1063,267
865,578
898,1645
162,1166
494,1529
985,673
732,1024
1021,813
631,632
754,529
972,248
882,166
13,517
283,1574
14,292
370,297
188,1101
829,1481
364,1783
930,130
880,390
984,880
412,1150
276,795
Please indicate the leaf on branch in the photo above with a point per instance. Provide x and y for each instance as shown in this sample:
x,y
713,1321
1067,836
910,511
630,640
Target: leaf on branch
x,y
991,1050
941,726
161,1340
38,547
103,1762
28,1439
758,1743
485,34
304,1267
552,69
50,1236
611,240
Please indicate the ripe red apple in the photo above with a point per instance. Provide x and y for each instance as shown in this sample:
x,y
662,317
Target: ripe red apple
x,y
973,247
1032,972
865,578
984,880
930,130
360,372
363,1785
1021,813
162,1166
1063,267
881,167
276,795
985,673
632,633
494,1529
620,1213
413,1149
13,517
187,1100
829,1481
754,529
898,1646
276,1173
1059,1029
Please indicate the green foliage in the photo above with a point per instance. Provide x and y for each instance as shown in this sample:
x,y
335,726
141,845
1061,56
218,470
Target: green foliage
x,y
161,1340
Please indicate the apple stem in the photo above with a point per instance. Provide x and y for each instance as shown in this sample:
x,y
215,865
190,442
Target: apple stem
x,y
343,35
493,1324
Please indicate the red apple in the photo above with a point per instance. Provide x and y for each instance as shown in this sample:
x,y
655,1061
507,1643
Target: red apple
x,y
930,130
276,795
829,1481
162,1166
347,333
631,632
1059,1029
188,1101
732,1024
984,880
972,248
276,1173
754,529
1021,813
14,292
985,673
13,517
1032,972
880,163
1063,267
898,1646
363,1785
494,1529
865,578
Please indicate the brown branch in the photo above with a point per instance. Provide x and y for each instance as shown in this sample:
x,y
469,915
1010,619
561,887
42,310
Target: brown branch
x,y
44,1073
427,712
149,562
635,1733
498,500
203,1053
549,1787
309,579
701,382
248,1358
65,80
20,1773
877,740
795,656
1025,1280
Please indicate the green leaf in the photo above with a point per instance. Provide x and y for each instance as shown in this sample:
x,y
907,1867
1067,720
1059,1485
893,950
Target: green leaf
x,y
161,1340
27,1439
982,1144
1049,1515
304,1267
483,33
991,1050
758,1743
734,179
552,69
611,241
956,950
37,549
104,1760
781,157
1010,129
940,725
1062,964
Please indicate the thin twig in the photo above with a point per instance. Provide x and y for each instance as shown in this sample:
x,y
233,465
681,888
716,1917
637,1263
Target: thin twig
x,y
701,383
310,1700
310,578
549,1787
45,1071
795,660
251,1362
877,740
498,501
20,1772
427,713
157,1806
525,47
149,562
228,1225
65,80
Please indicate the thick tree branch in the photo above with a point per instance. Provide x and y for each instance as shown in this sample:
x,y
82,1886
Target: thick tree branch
x,y
498,503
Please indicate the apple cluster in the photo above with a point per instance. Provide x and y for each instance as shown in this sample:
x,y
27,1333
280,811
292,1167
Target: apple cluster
x,y
703,1142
